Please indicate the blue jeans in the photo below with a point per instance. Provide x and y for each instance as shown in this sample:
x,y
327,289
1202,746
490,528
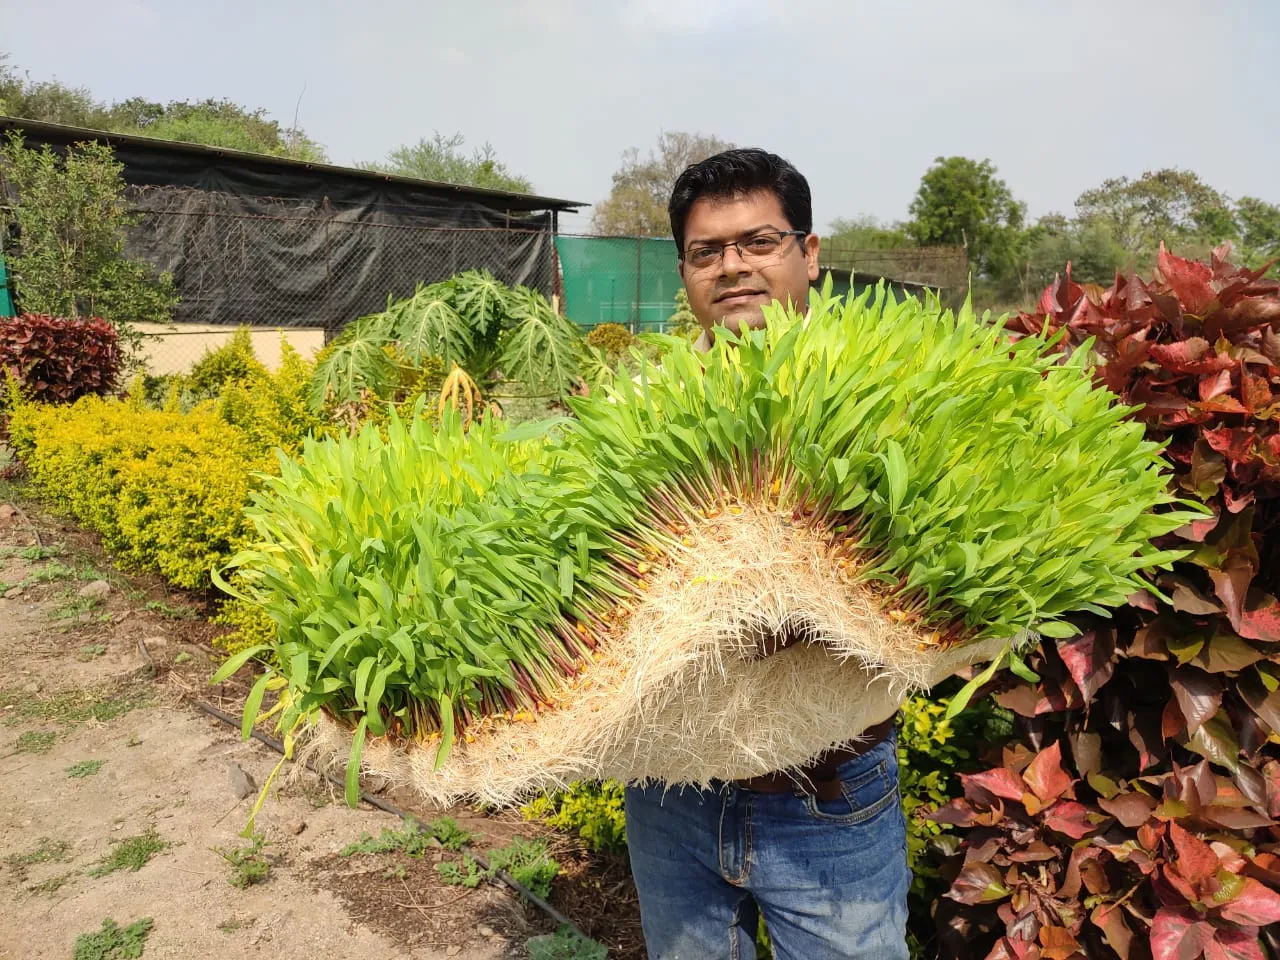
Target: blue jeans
x,y
829,878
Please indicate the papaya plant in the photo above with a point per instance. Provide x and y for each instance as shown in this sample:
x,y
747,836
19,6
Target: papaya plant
x,y
470,321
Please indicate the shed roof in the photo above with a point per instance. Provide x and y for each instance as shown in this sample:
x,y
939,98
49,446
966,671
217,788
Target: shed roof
x,y
188,157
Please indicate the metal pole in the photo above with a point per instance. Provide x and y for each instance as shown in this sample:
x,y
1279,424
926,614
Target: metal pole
x,y
330,309
557,281
635,323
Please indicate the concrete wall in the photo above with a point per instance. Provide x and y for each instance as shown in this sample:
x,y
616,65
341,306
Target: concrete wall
x,y
175,348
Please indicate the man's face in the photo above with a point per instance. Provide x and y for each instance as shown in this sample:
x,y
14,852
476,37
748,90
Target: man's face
x,y
734,289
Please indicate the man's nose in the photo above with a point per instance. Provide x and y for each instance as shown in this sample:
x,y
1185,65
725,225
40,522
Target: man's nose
x,y
732,264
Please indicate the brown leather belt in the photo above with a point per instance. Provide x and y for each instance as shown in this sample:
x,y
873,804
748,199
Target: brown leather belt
x,y
819,777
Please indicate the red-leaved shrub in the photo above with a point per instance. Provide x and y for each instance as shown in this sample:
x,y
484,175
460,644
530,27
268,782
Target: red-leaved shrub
x,y
58,360
1134,814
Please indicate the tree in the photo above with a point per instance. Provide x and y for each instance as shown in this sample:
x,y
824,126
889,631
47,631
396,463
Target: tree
x,y
1259,223
1168,205
962,201
218,123
215,123
134,113
637,203
47,100
441,159
1045,248
68,259
865,232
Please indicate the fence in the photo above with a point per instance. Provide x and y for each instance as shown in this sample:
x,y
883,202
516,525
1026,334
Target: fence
x,y
302,269
945,268
6,300
175,349
307,268
633,280
627,280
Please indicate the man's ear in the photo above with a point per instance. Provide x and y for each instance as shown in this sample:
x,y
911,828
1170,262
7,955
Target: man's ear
x,y
811,243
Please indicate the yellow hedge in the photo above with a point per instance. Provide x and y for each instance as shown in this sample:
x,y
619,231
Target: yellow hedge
x,y
272,409
165,490
252,626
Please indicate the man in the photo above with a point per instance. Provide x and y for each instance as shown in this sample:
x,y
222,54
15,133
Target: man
x,y
820,853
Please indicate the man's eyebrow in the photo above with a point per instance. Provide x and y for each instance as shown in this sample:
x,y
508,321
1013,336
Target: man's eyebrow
x,y
745,233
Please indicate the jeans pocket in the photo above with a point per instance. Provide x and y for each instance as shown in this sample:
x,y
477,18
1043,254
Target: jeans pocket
x,y
862,796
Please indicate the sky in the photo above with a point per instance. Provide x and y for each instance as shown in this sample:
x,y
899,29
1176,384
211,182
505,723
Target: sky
x,y
860,96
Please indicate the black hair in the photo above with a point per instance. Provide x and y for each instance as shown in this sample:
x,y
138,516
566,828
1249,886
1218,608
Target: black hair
x,y
734,173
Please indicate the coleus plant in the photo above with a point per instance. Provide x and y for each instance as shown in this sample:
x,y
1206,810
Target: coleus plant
x,y
60,359
1134,815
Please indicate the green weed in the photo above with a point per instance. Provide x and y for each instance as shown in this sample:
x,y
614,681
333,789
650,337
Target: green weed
x,y
51,573
73,706
413,840
52,884
34,554
87,571
528,864
467,875
91,651
173,613
525,861
248,864
398,872
113,942
85,768
48,574
450,835
46,851
36,741
408,841
10,491
565,944
132,853
74,608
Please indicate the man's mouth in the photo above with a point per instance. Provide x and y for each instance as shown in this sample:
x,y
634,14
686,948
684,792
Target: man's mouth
x,y
742,295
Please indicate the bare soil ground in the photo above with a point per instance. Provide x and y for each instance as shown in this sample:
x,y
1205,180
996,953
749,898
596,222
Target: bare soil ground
x,y
117,796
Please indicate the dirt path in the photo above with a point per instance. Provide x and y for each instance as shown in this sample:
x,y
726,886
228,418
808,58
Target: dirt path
x,y
102,764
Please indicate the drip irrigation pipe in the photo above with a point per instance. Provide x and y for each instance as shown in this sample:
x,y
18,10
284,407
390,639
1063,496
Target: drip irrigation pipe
x,y
409,818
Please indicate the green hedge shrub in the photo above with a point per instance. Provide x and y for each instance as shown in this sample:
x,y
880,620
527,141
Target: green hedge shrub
x,y
231,362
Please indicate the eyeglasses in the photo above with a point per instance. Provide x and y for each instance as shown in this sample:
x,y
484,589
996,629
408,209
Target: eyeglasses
x,y
755,249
